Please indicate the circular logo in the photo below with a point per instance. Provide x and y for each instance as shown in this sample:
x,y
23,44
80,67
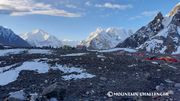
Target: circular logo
x,y
110,94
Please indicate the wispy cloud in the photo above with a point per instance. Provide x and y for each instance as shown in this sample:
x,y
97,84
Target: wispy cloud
x,y
107,15
70,6
27,7
149,13
109,5
132,18
88,3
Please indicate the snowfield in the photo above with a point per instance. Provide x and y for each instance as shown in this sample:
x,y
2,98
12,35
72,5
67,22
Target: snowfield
x,y
75,54
11,51
36,51
40,67
117,49
30,51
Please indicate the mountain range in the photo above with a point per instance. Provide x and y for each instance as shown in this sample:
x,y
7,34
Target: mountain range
x,y
108,39
40,38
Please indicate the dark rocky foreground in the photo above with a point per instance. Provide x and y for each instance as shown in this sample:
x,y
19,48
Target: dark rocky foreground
x,y
116,73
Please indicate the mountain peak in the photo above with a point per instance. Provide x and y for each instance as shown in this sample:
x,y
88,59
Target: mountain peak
x,y
40,38
174,10
99,29
37,31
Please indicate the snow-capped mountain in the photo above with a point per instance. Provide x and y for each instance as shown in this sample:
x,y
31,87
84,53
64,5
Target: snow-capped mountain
x,y
8,37
162,34
69,42
39,38
101,39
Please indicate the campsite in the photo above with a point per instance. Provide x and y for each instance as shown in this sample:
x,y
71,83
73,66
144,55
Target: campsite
x,y
87,75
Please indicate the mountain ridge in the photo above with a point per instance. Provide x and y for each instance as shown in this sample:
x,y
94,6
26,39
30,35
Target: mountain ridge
x,y
40,38
106,39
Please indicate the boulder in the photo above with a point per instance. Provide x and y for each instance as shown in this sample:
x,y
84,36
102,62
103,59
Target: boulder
x,y
17,96
177,85
160,88
56,90
103,78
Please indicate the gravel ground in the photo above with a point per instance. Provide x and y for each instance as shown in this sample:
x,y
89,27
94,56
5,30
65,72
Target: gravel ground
x,y
116,73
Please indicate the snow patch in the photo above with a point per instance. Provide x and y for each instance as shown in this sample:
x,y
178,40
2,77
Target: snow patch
x,y
155,63
132,65
168,81
11,51
117,49
178,50
163,49
75,54
41,67
18,95
172,67
39,51
101,56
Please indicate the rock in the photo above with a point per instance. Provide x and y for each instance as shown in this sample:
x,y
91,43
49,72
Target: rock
x,y
87,93
147,76
99,68
138,98
55,90
103,78
17,96
171,92
177,85
2,95
159,88
56,59
34,97
53,99
102,59
110,99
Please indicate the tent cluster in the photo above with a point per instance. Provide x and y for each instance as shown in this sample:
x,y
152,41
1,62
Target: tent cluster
x,y
79,47
163,59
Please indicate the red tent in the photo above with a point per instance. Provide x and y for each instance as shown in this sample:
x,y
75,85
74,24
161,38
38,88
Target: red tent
x,y
155,59
134,54
163,59
169,59
147,58
141,54
174,60
119,53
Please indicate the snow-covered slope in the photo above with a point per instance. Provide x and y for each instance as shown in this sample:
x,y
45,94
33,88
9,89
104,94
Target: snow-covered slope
x,y
101,39
162,34
69,42
39,38
8,37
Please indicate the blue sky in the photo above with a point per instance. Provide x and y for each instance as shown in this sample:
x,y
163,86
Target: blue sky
x,y
76,19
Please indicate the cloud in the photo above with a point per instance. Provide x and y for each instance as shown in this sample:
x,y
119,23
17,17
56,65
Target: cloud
x,y
132,18
70,6
149,13
138,16
27,7
88,3
109,5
